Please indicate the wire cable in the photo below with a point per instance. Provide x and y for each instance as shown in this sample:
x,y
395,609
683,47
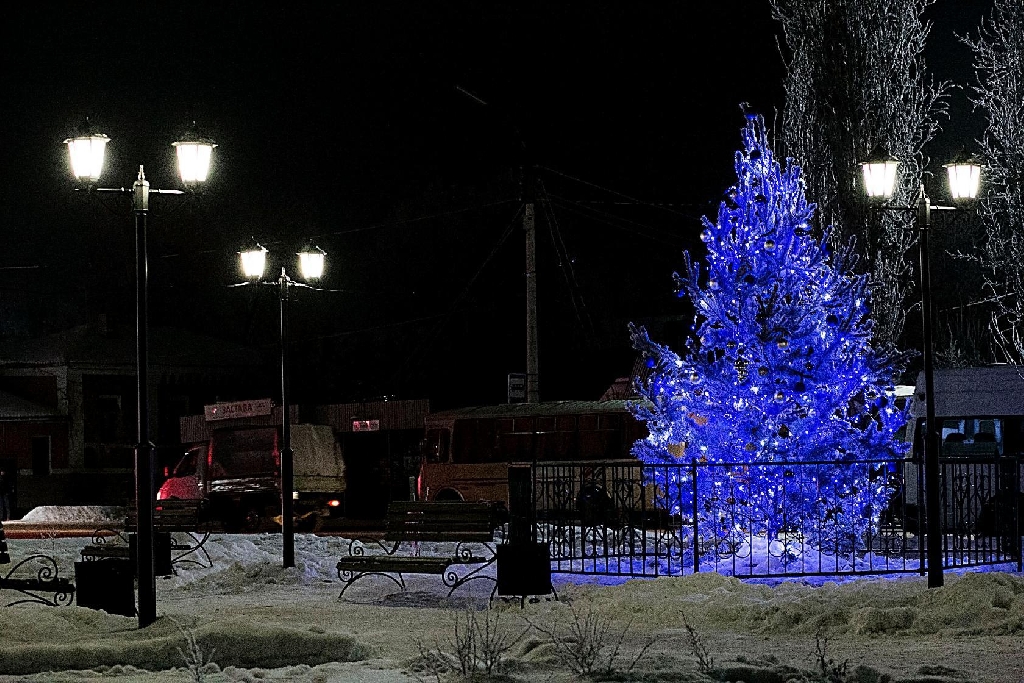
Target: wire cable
x,y
429,338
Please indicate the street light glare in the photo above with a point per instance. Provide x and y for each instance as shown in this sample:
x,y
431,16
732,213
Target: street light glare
x,y
880,177
964,179
194,160
87,155
253,261
311,263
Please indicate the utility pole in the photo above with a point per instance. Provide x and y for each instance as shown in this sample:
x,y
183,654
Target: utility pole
x,y
529,227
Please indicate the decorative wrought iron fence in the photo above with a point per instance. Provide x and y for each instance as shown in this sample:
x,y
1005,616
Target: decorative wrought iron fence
x,y
767,519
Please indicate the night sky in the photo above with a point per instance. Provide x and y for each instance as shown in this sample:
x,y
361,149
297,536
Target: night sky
x,y
347,124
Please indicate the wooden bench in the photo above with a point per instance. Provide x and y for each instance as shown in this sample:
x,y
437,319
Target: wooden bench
x,y
43,580
408,523
185,522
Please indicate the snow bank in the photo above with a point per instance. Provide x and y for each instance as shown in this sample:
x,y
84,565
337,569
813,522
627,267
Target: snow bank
x,y
266,623
72,514
983,603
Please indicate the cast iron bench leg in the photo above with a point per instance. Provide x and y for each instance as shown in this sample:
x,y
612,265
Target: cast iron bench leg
x,y
349,577
45,581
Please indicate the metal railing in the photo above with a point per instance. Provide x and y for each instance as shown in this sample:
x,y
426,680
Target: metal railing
x,y
768,519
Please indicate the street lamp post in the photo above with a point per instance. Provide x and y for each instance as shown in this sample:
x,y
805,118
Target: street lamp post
x,y
964,180
194,154
311,265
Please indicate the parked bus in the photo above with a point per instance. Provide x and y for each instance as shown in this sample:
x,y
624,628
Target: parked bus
x,y
467,451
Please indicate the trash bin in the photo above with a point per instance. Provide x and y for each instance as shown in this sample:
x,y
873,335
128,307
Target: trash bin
x,y
524,569
107,584
161,552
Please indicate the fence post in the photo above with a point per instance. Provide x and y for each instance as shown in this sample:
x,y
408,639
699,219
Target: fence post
x,y
696,541
521,505
5,557
1017,514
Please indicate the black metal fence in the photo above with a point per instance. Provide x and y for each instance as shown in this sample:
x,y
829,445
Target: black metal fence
x,y
767,519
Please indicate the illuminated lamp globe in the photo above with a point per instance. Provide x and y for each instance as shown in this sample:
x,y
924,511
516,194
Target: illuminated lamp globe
x,y
253,261
194,156
964,176
879,173
87,155
311,262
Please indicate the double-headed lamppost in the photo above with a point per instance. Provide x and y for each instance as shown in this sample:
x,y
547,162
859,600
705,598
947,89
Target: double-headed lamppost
x,y
964,180
311,265
194,154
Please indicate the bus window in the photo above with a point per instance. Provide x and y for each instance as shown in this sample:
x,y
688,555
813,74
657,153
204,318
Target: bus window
x,y
601,444
967,437
473,441
525,424
557,446
565,423
611,422
436,446
517,446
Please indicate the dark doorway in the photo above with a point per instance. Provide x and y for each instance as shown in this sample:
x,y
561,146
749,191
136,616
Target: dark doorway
x,y
366,460
40,456
9,464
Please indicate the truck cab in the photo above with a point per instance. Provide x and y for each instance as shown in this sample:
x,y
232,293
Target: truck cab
x,y
237,473
181,478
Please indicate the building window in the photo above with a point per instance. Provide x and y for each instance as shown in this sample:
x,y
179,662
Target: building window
x,y
104,421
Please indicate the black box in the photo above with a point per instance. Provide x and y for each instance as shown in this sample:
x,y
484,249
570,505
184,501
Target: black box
x,y
524,569
161,553
107,584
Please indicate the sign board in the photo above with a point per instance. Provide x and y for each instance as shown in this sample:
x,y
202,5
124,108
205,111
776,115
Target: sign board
x,y
365,425
516,387
227,411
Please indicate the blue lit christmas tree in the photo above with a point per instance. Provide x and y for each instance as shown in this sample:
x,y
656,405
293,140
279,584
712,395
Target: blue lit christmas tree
x,y
781,369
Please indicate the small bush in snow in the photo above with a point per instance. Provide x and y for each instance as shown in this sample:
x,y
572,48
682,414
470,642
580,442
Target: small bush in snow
x,y
477,648
198,662
589,645
705,662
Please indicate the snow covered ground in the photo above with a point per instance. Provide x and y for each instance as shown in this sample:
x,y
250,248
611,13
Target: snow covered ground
x,y
255,621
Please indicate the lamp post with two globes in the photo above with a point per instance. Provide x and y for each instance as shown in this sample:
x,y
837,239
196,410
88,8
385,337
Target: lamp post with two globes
x,y
964,175
87,152
311,266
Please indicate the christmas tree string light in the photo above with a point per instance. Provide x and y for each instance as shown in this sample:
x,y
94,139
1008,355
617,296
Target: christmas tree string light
x,y
779,396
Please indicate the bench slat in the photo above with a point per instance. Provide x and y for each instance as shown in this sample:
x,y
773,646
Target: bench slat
x,y
45,585
408,564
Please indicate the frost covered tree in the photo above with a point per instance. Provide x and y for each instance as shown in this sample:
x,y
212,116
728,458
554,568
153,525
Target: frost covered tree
x,y
856,81
999,92
781,368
